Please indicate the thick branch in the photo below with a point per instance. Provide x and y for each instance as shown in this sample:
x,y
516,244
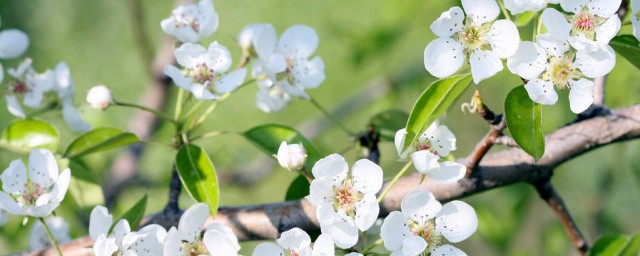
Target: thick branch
x,y
494,171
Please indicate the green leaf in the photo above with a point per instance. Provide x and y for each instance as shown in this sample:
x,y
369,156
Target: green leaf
x,y
389,122
432,103
198,175
633,247
24,135
80,170
609,245
136,212
628,47
97,140
298,189
524,120
268,138
524,19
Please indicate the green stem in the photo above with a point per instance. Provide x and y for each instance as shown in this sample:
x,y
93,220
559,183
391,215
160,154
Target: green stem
x,y
176,115
394,180
53,240
538,29
504,10
331,117
153,111
209,135
213,106
372,246
306,174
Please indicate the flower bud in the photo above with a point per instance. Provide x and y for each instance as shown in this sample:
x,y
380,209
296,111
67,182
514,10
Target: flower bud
x,y
292,157
99,97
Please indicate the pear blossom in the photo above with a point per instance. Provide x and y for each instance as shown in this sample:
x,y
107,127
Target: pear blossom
x,y
296,242
99,97
26,86
38,238
477,38
121,240
520,6
425,226
187,239
64,88
427,151
190,23
635,17
283,69
550,63
13,43
203,72
291,157
345,200
248,36
591,23
36,191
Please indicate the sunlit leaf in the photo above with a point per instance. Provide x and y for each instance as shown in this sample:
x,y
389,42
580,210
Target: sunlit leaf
x,y
136,212
609,245
632,248
80,170
524,120
268,138
298,189
524,19
23,135
97,140
198,175
628,47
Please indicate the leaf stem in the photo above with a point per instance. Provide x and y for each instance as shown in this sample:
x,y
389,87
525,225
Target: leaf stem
x,y
50,235
372,246
504,10
179,101
331,117
209,135
153,111
394,180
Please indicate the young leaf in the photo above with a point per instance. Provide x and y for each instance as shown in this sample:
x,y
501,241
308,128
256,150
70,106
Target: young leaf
x,y
432,103
628,47
609,245
100,139
524,120
389,122
135,213
80,170
198,175
268,138
27,134
633,246
298,189
524,19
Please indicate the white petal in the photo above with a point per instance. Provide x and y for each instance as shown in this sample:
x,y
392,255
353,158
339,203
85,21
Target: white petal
x,y
14,178
367,176
220,244
268,249
608,30
447,250
13,43
208,18
424,161
63,81
367,211
190,55
231,81
129,240
443,57
456,221
218,57
443,141
541,91
61,186
298,40
172,243
604,8
105,246
323,246
556,23
309,74
10,205
484,64
192,221
414,245
394,229
264,41
73,119
596,63
481,11
552,46
321,191
178,77
399,142
202,92
326,214
13,106
635,21
294,238
529,61
449,22
333,165
43,168
574,6
448,172
504,38
271,99
343,232
151,243
420,206
580,95
99,222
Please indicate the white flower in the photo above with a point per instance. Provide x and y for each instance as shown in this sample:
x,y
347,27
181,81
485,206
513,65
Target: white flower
x,y
204,67
635,17
36,192
190,23
38,238
27,86
283,68
591,24
291,157
520,6
99,97
248,36
477,38
345,200
424,224
63,86
148,241
187,239
435,143
13,43
550,62
297,243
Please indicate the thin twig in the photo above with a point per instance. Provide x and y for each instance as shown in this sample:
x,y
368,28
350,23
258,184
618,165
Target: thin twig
x,y
498,124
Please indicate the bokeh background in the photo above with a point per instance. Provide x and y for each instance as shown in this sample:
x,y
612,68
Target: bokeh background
x,y
370,47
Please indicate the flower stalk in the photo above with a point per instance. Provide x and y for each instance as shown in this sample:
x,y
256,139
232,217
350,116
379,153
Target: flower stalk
x,y
394,180
50,235
331,117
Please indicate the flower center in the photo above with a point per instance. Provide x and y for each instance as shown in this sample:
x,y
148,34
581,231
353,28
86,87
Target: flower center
x,y
428,232
294,253
345,198
31,193
584,22
184,20
201,73
561,72
194,249
287,74
473,37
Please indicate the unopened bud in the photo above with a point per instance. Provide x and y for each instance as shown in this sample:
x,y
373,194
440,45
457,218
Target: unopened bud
x,y
99,97
292,157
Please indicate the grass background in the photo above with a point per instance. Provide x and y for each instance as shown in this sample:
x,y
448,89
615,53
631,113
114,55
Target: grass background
x,y
360,42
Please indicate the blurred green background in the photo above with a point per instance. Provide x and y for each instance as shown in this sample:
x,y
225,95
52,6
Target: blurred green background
x,y
361,42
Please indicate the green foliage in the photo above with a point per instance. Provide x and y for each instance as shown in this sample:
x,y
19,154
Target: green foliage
x,y
80,170
198,175
298,189
432,103
97,140
389,122
628,47
23,135
616,245
136,212
524,19
524,120
269,137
